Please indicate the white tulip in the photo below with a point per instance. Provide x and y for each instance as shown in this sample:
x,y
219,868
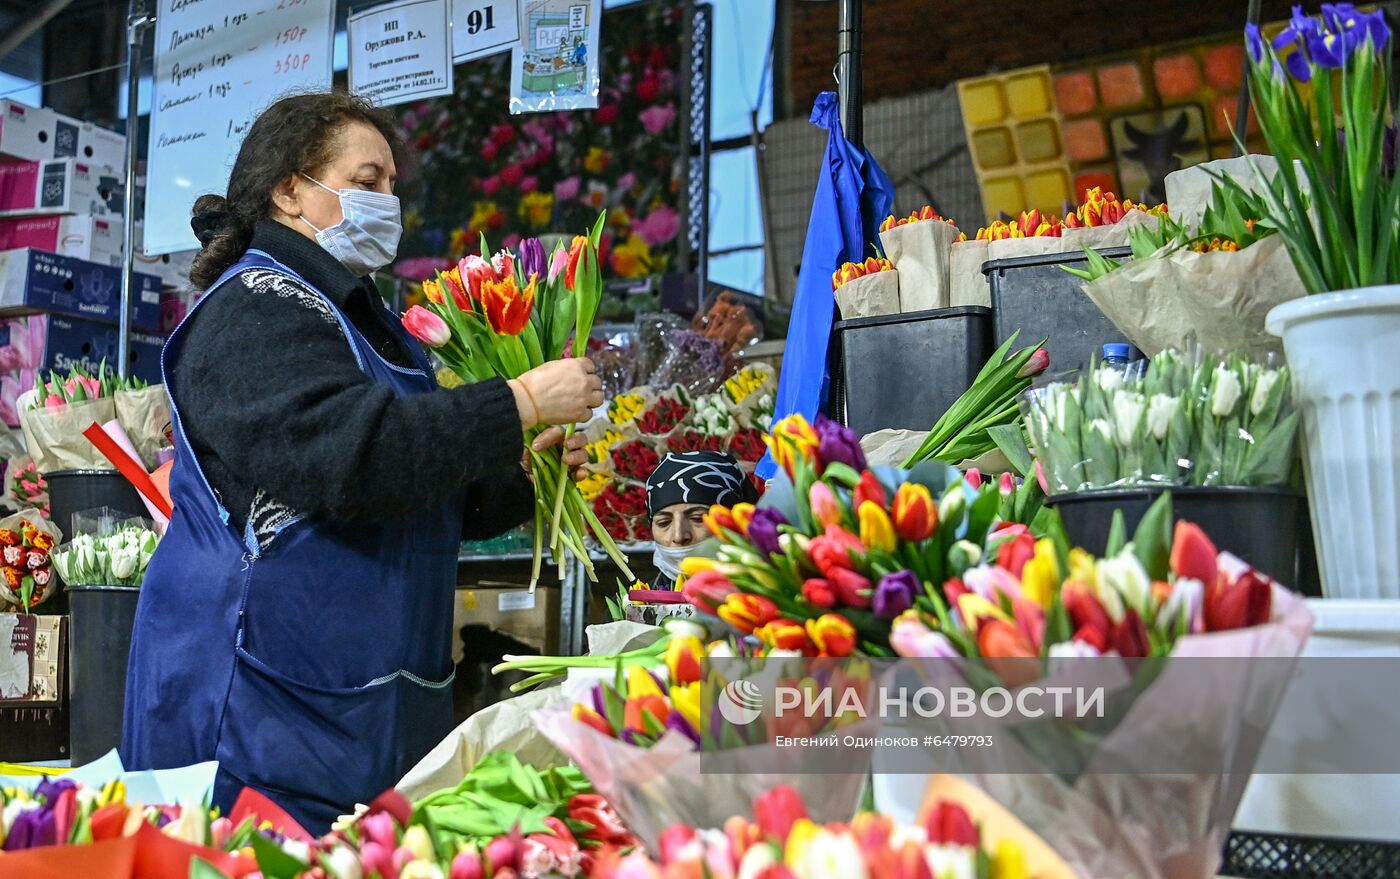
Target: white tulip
x,y
757,859
1127,415
1126,576
342,863
1227,392
123,563
1159,414
951,861
1102,428
828,855
1262,388
1109,379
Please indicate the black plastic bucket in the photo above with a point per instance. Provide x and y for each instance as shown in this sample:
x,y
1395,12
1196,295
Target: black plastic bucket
x,y
1035,295
904,370
1266,527
76,491
99,642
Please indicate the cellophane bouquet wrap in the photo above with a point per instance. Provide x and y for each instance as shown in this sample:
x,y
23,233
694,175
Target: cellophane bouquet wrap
x,y
1188,418
503,317
26,567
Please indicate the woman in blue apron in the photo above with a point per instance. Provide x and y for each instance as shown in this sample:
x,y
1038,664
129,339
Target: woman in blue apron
x,y
295,624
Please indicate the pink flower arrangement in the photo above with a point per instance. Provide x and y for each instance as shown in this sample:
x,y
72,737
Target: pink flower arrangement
x,y
659,226
656,118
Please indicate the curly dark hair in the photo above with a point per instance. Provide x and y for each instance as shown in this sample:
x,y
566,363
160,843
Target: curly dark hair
x,y
297,133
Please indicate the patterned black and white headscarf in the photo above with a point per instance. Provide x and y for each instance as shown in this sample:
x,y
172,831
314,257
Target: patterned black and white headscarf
x,y
697,478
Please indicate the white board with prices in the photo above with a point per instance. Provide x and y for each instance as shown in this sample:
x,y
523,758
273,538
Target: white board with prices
x,y
217,66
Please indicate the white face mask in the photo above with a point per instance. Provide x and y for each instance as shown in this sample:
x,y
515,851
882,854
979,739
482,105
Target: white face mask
x,y
367,238
668,559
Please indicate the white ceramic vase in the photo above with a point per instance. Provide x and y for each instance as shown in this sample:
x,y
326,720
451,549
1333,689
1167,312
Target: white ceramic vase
x,y
1344,353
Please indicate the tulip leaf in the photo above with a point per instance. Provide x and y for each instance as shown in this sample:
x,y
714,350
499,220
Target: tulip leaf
x,y
202,869
1011,440
1117,536
1152,542
272,861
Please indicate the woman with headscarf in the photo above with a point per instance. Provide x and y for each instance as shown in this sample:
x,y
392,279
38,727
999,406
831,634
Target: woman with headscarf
x,y
679,493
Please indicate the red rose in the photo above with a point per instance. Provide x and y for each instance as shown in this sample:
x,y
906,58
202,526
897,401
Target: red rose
x,y
648,88
512,175
502,134
491,185
606,114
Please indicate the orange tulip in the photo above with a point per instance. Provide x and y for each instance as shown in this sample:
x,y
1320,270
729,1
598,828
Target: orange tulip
x,y
743,515
747,612
915,514
507,308
578,255
720,520
784,634
634,708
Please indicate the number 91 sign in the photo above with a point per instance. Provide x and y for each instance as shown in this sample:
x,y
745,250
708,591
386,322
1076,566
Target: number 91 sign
x,y
483,27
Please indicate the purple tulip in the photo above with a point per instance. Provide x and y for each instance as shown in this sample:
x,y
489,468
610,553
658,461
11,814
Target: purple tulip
x,y
894,594
675,721
763,530
531,256
836,443
32,829
600,704
50,789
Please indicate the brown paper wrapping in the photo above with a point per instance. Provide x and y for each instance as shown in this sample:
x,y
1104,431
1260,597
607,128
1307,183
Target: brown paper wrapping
x,y
1189,190
55,437
967,284
869,296
996,824
920,253
1114,235
1011,248
144,415
1219,299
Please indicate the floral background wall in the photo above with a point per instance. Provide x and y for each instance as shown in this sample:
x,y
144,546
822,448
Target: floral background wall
x,y
480,170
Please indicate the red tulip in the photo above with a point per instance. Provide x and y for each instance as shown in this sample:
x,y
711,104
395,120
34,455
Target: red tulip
x,y
589,717
777,810
502,852
870,489
426,327
819,592
784,634
833,550
512,174
1193,555
489,151
1129,636
747,612
707,590
578,254
851,588
833,634
467,865
672,840
720,520
1246,602
915,514
1013,554
949,824
1087,615
475,271
1039,362
1001,640
606,114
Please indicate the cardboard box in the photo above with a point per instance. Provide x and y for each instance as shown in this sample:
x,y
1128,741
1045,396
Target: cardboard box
x,y
33,687
36,344
81,236
36,134
32,280
59,186
530,618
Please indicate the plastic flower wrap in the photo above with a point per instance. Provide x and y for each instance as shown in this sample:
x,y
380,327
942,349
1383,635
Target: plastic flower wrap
x,y
504,316
1187,419
26,568
753,380
782,839
27,485
118,559
693,363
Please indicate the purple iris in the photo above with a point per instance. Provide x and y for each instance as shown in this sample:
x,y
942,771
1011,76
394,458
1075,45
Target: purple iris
x,y
894,594
1254,41
763,530
532,261
836,443
1300,33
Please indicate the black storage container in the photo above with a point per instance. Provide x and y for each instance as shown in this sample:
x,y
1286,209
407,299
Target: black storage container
x,y
905,370
99,642
76,491
1034,295
1267,527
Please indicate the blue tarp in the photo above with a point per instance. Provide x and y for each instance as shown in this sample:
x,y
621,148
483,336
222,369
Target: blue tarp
x,y
853,197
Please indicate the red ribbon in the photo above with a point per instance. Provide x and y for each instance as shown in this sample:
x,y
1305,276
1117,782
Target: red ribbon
x,y
131,469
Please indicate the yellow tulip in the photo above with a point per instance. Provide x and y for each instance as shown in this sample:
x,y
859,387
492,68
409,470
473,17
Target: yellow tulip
x,y
692,565
1082,566
640,683
876,529
804,830
1009,861
974,607
1041,577
686,700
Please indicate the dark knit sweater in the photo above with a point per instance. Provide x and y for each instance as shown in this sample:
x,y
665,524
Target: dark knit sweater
x,y
284,422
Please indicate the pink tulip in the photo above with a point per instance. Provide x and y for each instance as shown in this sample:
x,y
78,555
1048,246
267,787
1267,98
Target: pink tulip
x,y
973,477
654,119
1008,483
491,185
379,828
55,402
626,182
1039,362
377,858
567,189
658,227
503,851
530,183
467,865
427,327
558,264
825,508
220,832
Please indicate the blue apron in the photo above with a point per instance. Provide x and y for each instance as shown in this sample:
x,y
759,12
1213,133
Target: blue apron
x,y
317,667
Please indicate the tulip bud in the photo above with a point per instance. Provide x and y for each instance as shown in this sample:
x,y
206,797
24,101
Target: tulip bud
x,y
426,327
876,530
915,516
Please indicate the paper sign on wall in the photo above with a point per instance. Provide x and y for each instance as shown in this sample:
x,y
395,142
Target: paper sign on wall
x,y
400,52
217,66
483,27
555,65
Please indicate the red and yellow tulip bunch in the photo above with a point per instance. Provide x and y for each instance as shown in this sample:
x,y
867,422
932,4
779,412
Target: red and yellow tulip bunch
x,y
1031,224
925,213
852,270
1101,208
503,316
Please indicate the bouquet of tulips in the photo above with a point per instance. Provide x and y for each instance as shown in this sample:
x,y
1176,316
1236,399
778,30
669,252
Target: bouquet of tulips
x,y
503,317
1187,419
920,246
26,568
117,559
866,289
781,841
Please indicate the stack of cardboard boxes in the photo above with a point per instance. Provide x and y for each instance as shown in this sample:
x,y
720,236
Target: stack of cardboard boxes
x,y
61,229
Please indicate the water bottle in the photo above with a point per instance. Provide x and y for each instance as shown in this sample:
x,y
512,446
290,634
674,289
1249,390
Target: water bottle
x,y
1118,354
